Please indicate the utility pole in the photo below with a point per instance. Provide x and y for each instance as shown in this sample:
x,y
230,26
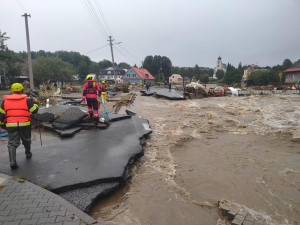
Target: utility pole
x,y
29,52
112,56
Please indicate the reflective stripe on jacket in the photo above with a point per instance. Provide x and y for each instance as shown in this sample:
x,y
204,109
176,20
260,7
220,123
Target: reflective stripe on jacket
x,y
16,109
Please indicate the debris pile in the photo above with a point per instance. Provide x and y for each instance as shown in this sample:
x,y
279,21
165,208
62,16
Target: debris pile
x,y
234,215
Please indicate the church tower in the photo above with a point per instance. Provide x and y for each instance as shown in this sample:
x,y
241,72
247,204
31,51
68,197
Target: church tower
x,y
219,66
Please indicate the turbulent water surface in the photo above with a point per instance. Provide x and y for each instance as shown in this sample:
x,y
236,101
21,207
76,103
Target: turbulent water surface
x,y
242,149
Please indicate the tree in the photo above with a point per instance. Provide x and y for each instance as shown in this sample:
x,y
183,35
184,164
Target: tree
x,y
166,66
220,74
204,78
259,78
105,64
232,76
94,68
52,68
286,64
175,70
124,65
83,70
9,60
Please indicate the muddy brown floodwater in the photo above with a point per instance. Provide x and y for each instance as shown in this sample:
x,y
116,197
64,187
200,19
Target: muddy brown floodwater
x,y
242,149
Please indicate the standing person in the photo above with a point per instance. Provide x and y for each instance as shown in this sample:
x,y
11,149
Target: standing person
x,y
170,86
90,91
103,91
148,86
15,116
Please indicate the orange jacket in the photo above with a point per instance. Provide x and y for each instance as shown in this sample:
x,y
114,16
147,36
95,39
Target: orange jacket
x,y
16,110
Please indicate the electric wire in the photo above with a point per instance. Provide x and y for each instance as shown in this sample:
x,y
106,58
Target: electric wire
x,y
128,53
126,57
92,9
103,17
96,49
20,4
92,17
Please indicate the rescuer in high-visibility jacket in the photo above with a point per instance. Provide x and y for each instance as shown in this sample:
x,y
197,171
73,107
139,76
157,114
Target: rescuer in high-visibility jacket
x,y
103,91
15,116
91,91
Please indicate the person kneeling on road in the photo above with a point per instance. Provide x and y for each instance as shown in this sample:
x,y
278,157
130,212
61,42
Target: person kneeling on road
x,y
15,116
90,91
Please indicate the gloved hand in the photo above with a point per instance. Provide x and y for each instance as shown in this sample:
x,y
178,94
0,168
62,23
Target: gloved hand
x,y
83,100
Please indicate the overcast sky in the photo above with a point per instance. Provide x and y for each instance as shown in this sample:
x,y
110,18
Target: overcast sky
x,y
189,32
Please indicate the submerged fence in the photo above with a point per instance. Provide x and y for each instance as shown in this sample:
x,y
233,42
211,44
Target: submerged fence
x,y
266,92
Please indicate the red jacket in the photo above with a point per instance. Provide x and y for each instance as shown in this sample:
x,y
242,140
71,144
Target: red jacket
x,y
91,89
103,87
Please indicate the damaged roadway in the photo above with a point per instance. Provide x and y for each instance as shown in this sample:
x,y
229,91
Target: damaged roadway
x,y
86,166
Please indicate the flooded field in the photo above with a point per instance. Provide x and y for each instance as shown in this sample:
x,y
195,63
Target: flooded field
x,y
242,149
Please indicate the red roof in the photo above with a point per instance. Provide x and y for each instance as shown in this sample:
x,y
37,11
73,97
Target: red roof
x,y
142,73
292,70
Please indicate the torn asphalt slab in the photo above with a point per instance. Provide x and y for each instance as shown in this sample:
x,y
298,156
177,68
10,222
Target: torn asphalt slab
x,y
165,93
89,158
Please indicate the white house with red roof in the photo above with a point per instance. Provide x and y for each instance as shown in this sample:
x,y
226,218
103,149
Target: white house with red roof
x,y
137,75
292,75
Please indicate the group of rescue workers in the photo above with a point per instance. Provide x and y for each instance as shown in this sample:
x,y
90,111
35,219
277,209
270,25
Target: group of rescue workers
x,y
16,108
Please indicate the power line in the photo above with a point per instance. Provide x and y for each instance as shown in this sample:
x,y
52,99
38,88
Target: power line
x,y
103,17
96,49
126,57
95,16
128,53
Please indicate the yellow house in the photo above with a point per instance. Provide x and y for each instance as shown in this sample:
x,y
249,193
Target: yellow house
x,y
175,79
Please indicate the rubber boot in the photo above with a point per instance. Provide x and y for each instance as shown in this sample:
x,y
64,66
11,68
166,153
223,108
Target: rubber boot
x,y
12,158
27,151
96,120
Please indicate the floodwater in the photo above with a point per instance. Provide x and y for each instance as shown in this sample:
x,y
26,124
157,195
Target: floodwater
x,y
242,149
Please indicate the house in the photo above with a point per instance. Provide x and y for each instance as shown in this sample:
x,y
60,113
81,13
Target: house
x,y
250,69
292,75
138,76
219,66
175,79
108,74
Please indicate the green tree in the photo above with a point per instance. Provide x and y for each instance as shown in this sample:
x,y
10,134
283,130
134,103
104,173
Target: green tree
x,y
9,60
94,68
220,74
204,78
83,69
175,70
52,68
286,64
124,65
259,78
232,76
105,64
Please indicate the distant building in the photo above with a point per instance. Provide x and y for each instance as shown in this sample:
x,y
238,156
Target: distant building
x,y
219,66
175,79
250,69
292,75
137,75
108,74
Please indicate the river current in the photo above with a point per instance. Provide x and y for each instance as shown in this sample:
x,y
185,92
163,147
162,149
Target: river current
x,y
245,150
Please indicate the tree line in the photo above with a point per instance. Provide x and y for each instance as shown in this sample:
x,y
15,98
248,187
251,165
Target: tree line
x,y
63,65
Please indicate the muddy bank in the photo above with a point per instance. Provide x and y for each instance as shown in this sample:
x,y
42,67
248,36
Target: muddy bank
x,y
243,149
